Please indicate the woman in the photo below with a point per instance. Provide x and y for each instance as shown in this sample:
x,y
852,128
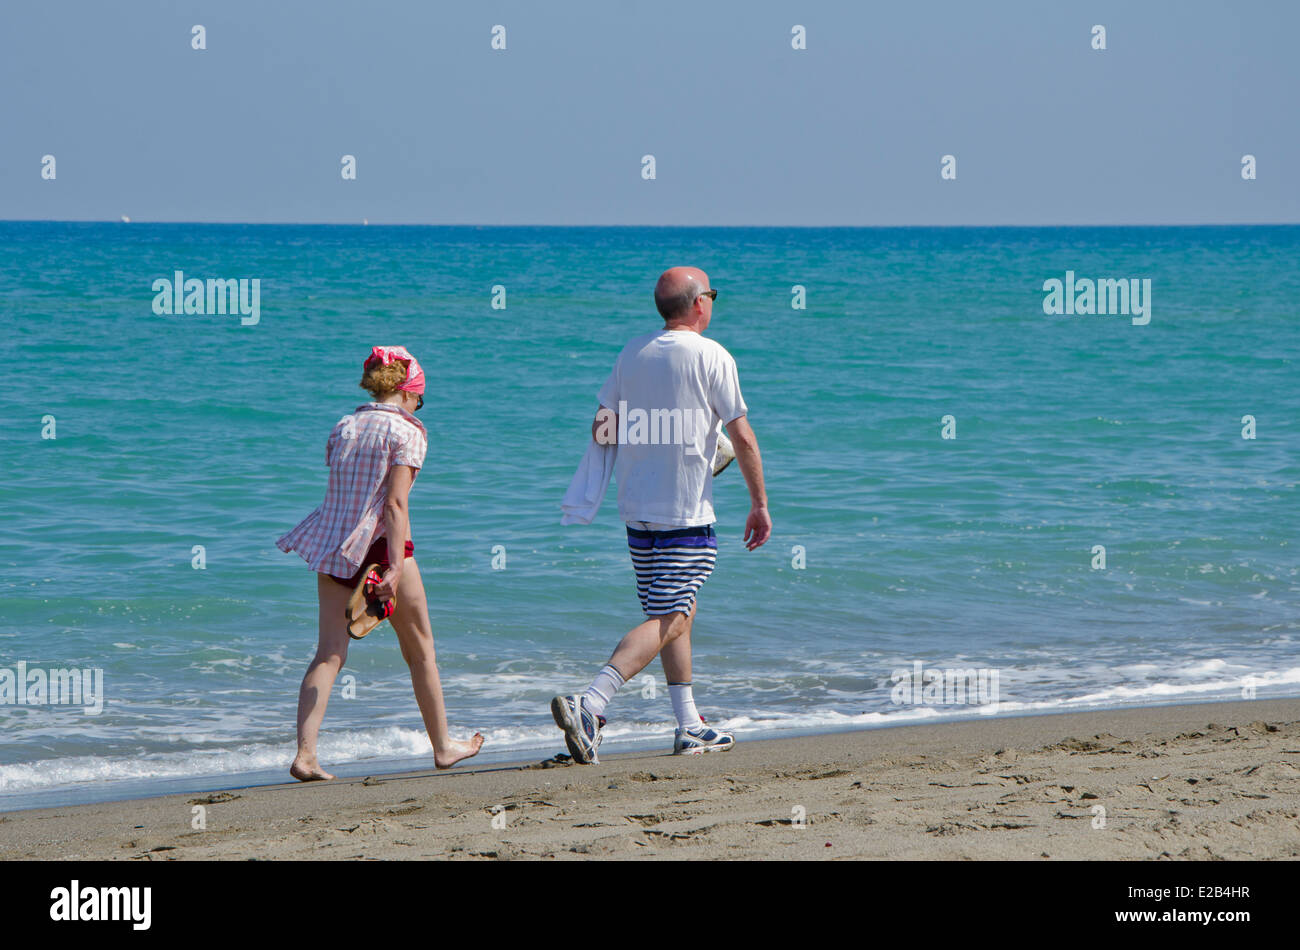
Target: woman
x,y
374,455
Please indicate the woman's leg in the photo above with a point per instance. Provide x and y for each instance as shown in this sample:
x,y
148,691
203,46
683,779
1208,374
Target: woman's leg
x,y
331,651
410,620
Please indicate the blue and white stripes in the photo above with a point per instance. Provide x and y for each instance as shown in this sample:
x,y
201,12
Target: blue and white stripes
x,y
671,566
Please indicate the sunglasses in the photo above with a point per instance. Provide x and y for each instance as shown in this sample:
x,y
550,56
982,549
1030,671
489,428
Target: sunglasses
x,y
419,403
711,294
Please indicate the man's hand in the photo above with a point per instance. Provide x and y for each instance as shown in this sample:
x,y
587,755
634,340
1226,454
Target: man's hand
x,y
758,528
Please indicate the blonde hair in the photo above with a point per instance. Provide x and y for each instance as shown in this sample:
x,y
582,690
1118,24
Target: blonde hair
x,y
382,380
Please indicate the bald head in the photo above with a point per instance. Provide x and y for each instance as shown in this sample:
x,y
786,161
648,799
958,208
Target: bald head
x,y
677,295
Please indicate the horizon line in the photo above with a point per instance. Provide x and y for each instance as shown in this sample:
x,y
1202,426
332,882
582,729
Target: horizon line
x,y
847,227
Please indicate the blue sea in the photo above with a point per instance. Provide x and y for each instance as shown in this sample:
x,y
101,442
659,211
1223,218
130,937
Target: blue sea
x,y
893,545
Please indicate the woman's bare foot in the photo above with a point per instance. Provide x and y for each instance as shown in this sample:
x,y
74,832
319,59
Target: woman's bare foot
x,y
456,751
305,770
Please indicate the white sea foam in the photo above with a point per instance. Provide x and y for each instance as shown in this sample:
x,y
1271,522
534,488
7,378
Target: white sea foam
x,y
404,743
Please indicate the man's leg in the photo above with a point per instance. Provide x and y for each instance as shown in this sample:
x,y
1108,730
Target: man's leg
x,y
670,566
676,654
634,652
676,658
645,641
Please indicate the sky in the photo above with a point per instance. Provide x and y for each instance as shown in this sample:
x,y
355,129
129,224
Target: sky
x,y
744,129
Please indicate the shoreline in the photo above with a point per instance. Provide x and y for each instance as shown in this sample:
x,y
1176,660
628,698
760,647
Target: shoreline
x,y
144,788
1202,780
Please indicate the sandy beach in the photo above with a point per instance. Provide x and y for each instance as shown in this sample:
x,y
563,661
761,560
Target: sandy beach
x,y
1198,782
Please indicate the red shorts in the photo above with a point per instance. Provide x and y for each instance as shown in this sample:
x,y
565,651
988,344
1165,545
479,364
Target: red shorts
x,y
378,554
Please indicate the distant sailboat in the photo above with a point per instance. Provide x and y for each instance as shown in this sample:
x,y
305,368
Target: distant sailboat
x,y
125,219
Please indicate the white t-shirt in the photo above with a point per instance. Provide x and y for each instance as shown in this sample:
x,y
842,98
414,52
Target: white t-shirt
x,y
672,390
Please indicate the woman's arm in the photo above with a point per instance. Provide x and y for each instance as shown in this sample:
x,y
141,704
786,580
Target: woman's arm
x,y
397,527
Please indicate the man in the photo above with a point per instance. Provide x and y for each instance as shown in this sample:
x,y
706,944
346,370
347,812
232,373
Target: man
x,y
663,405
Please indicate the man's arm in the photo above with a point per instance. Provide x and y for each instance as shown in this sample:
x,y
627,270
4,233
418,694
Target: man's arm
x,y
758,526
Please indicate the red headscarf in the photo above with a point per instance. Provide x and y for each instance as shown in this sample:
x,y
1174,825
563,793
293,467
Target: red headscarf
x,y
414,375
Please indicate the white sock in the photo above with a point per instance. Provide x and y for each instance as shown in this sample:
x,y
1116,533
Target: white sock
x,y
688,717
602,689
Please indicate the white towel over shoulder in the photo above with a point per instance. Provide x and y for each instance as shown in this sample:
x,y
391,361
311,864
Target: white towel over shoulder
x,y
590,482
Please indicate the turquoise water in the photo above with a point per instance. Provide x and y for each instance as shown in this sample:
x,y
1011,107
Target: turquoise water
x,y
976,552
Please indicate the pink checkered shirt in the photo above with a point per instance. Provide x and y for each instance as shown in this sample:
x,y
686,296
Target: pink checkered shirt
x,y
361,450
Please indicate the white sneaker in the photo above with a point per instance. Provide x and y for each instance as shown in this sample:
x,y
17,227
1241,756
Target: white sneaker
x,y
697,740
581,727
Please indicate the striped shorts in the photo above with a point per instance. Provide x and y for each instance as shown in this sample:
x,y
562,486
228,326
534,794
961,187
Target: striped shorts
x,y
671,566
